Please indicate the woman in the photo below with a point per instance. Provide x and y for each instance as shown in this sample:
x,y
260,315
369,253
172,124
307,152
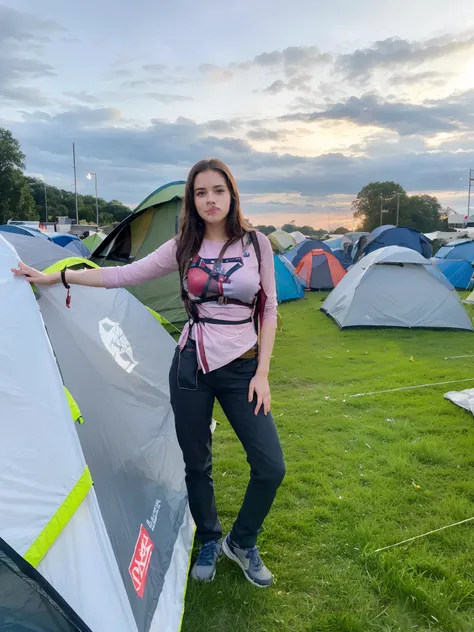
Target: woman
x,y
222,266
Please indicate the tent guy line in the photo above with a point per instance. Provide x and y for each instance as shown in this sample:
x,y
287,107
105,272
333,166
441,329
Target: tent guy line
x,y
407,388
415,537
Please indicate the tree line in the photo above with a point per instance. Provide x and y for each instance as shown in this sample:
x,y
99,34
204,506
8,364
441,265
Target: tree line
x,y
24,198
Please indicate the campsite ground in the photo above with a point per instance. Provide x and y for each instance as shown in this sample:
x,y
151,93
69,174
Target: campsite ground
x,y
362,473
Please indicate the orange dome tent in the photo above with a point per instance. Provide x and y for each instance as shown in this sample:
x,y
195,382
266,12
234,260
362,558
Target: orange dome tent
x,y
320,270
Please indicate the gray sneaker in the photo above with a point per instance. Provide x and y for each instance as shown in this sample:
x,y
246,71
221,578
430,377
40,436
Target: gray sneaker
x,y
204,569
250,562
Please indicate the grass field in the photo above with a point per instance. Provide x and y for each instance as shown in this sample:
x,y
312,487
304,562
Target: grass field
x,y
362,473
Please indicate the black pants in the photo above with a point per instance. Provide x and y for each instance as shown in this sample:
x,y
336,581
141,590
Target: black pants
x,y
258,435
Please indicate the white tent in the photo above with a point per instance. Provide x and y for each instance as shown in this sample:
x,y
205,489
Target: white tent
x,y
118,551
396,287
446,236
281,240
470,299
298,236
464,399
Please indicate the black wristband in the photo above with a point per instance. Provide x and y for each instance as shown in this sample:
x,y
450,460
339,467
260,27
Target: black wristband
x,y
63,278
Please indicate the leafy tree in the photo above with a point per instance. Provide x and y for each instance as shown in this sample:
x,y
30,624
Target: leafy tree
x,y
266,230
341,231
369,200
16,200
416,211
422,212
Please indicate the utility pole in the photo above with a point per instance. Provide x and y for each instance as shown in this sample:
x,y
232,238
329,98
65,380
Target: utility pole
x,y
471,180
398,207
75,182
89,176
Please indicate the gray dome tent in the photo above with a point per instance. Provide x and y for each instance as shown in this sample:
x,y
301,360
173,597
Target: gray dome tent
x,y
396,287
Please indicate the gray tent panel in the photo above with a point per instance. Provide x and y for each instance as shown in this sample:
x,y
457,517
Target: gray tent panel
x,y
37,253
320,274
115,358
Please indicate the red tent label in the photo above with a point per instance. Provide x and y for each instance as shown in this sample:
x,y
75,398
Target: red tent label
x,y
138,568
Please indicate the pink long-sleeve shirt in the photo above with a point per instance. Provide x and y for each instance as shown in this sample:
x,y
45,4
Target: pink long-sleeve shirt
x,y
239,279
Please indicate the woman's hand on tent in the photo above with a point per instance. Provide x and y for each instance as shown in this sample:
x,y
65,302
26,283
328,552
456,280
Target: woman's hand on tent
x,y
260,387
34,276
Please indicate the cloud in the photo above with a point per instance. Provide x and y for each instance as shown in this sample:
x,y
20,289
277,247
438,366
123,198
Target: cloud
x,y
136,83
19,33
276,87
429,117
129,157
154,69
298,83
430,77
292,59
265,134
78,118
394,52
82,96
168,98
215,73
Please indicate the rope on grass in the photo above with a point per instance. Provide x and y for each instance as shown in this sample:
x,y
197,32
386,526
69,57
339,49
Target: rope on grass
x,y
407,388
448,526
457,357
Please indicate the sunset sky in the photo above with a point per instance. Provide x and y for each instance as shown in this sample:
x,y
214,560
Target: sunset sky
x,y
306,101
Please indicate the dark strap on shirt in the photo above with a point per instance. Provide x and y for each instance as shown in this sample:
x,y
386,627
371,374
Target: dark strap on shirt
x,y
224,300
218,321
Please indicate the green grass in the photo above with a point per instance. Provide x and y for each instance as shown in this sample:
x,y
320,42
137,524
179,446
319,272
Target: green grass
x,y
362,473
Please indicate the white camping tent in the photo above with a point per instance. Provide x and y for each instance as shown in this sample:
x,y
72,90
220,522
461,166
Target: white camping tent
x,y
117,552
470,299
396,287
298,236
464,399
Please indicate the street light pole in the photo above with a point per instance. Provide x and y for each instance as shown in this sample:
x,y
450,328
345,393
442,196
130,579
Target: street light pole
x,y
381,209
89,176
398,207
471,180
45,199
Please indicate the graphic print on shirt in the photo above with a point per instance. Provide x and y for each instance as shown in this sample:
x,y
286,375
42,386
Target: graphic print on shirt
x,y
202,282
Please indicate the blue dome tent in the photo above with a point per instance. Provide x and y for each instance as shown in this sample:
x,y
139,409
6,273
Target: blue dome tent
x,y
456,260
72,243
458,249
289,286
458,272
394,236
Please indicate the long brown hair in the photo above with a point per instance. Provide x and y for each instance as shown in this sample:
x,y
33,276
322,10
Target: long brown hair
x,y
192,226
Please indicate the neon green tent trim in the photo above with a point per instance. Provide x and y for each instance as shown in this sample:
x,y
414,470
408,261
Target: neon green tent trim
x,y
170,328
69,262
73,407
63,515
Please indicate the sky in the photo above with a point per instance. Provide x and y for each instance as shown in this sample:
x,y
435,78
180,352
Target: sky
x,y
306,101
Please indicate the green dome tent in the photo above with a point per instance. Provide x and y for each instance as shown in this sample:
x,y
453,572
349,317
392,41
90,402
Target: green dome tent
x,y
150,225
